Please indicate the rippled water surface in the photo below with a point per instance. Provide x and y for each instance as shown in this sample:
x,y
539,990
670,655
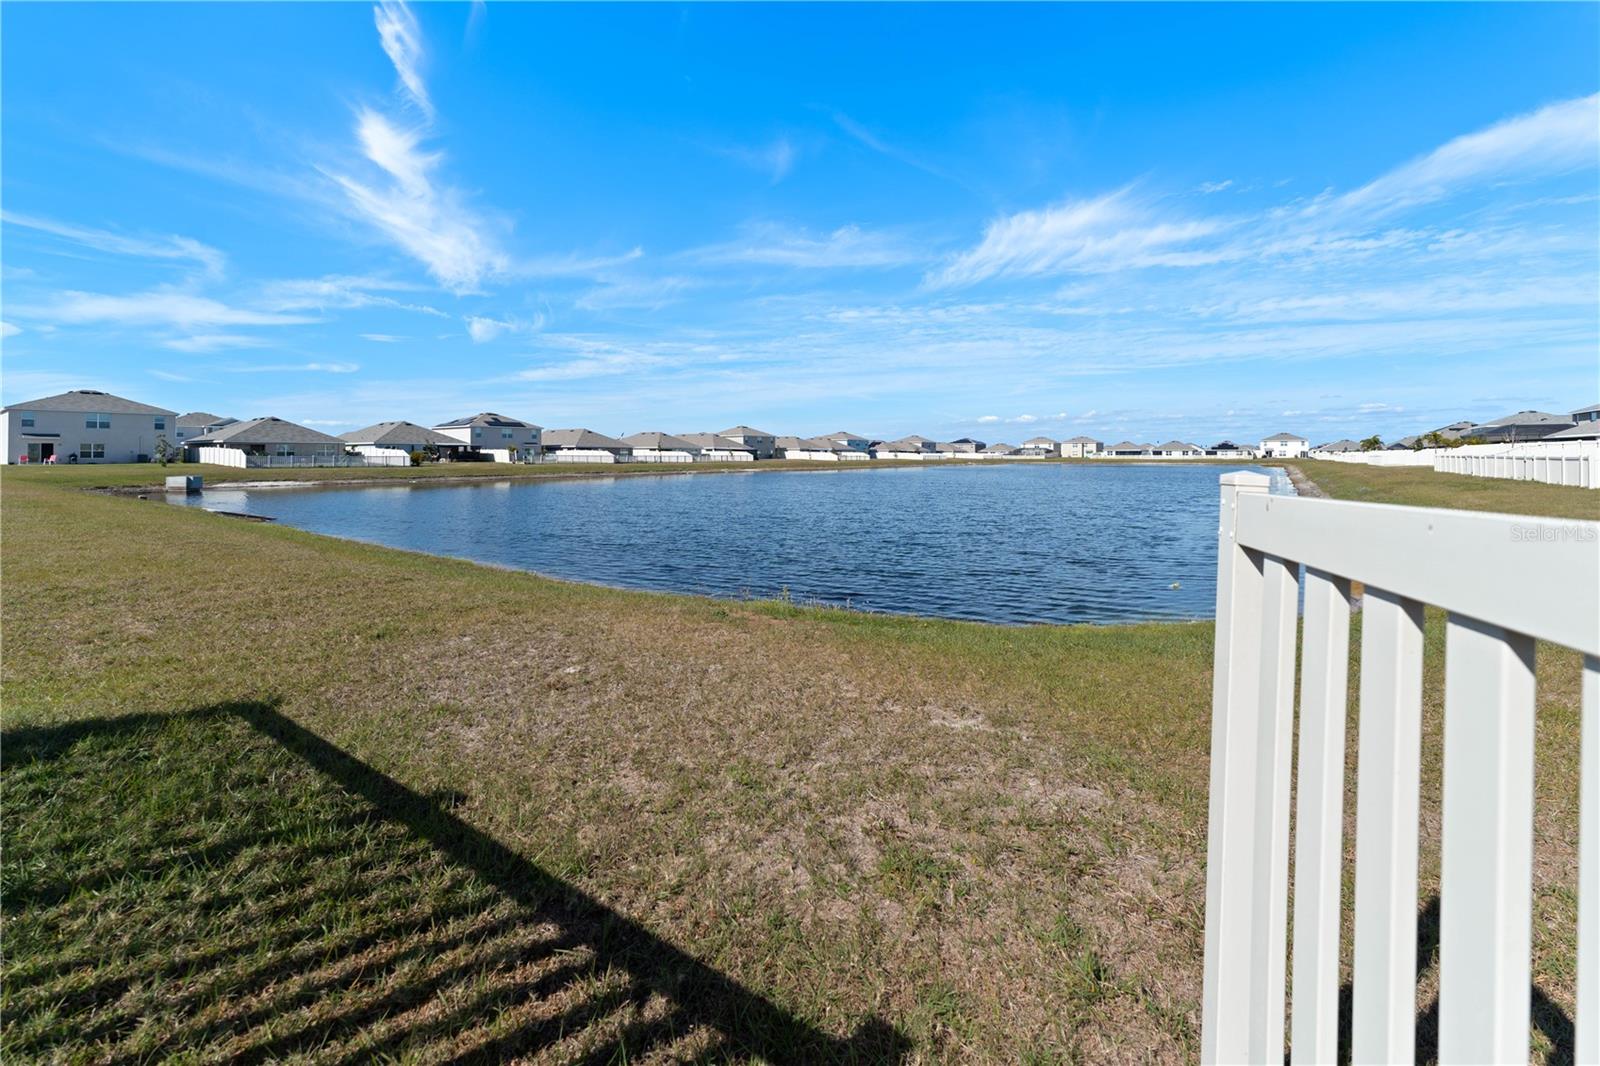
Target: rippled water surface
x,y
1012,543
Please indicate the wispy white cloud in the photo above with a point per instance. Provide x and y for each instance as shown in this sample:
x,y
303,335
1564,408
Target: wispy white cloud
x,y
427,220
342,292
382,338
573,265
213,342
1106,233
8,330
1118,232
294,368
847,246
157,307
172,247
775,159
1560,137
648,293
401,38
1209,187
483,329
868,139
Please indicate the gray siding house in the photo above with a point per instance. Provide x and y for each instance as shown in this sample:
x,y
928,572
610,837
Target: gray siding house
x,y
85,426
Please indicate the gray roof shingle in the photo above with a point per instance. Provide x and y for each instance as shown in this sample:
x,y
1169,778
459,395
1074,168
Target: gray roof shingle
x,y
660,441
717,441
396,433
581,438
268,430
487,418
89,401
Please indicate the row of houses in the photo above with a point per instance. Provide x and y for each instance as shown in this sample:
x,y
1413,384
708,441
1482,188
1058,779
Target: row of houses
x,y
87,425
1522,427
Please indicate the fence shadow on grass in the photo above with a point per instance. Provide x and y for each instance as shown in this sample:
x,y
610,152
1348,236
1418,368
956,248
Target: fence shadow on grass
x,y
337,914
1548,1016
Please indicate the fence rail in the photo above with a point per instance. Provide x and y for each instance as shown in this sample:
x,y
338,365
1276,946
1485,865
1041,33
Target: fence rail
x,y
1505,582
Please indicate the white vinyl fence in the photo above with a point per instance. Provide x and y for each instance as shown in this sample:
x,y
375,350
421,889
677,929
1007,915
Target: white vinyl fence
x,y
1506,582
1575,462
238,457
1556,463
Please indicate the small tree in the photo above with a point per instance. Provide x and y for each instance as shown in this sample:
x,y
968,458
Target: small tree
x,y
417,457
163,450
1372,444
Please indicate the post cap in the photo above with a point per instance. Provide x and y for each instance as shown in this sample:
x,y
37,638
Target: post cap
x,y
1244,479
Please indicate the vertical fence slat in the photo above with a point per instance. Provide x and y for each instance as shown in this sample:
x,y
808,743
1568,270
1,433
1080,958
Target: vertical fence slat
x,y
1485,925
1274,748
1230,843
1388,767
1588,1012
1319,819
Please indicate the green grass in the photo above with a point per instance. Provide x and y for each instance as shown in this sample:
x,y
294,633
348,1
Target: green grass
x,y
273,795
1421,487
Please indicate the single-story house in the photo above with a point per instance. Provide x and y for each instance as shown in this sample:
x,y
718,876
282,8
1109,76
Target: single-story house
x,y
758,441
999,450
854,441
912,447
1226,449
1284,446
198,424
715,448
814,449
1337,447
1128,447
584,446
1081,447
266,441
1522,427
395,441
1040,446
658,447
1457,430
85,426
495,437
1585,425
1178,449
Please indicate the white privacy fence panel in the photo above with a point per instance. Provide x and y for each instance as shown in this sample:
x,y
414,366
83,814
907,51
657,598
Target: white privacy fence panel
x,y
1573,462
1505,582
219,456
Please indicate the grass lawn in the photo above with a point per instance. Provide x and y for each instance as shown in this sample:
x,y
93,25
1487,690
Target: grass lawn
x,y
272,795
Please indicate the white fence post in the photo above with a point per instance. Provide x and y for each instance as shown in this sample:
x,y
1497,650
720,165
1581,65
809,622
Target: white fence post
x,y
1387,787
1232,841
1588,997
1319,819
1485,884
1499,599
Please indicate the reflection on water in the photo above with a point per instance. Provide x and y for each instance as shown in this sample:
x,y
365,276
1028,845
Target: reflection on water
x,y
1012,543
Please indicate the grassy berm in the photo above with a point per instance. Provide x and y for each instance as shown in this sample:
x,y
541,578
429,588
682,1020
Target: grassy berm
x,y
268,795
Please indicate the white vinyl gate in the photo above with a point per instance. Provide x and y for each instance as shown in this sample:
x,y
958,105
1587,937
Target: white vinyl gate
x,y
1505,582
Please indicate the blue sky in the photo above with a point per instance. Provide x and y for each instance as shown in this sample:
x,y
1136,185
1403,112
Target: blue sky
x,y
998,221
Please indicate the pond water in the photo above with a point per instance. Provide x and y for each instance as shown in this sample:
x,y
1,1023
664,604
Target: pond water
x,y
1012,543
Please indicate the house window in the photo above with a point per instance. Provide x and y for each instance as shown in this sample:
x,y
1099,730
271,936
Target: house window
x,y
285,449
91,451
161,424
506,434
27,419
97,422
